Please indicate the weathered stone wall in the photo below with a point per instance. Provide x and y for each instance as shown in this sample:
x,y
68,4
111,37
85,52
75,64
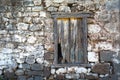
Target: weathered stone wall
x,y
27,47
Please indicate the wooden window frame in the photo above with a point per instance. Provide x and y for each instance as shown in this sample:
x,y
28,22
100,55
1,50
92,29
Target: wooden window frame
x,y
84,16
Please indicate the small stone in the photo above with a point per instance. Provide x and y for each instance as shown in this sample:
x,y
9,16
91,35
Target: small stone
x,y
58,1
30,59
30,78
52,9
3,32
24,66
40,8
61,71
35,27
72,76
40,60
31,39
37,67
48,56
37,2
7,50
64,9
60,77
20,60
37,73
0,72
28,3
43,14
30,48
22,26
38,78
27,19
21,78
101,68
92,57
19,72
94,28
46,71
80,70
52,71
106,55
18,38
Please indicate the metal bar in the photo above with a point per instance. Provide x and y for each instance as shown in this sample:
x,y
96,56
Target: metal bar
x,y
56,41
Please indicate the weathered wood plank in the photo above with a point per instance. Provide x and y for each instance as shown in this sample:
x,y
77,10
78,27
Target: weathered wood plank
x,y
56,41
68,15
85,32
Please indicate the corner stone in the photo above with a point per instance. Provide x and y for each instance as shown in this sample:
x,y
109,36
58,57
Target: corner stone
x,y
101,68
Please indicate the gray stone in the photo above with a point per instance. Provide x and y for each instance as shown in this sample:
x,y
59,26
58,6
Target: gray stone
x,y
38,78
27,19
37,2
52,9
30,59
116,68
101,68
35,27
24,66
3,32
64,9
19,72
37,67
106,56
58,1
30,78
31,39
38,8
28,3
21,78
37,73
22,26
72,76
2,9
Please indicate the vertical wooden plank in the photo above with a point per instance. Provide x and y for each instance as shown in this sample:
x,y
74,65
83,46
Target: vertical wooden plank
x,y
56,41
85,44
62,41
72,56
66,39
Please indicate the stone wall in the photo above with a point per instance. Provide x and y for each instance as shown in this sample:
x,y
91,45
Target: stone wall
x,y
27,46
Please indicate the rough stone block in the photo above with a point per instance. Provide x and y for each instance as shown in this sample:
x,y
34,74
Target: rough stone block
x,y
38,78
106,56
28,3
72,76
48,56
37,2
37,8
2,8
116,68
37,73
101,68
19,72
93,57
37,67
21,78
47,72
60,77
24,66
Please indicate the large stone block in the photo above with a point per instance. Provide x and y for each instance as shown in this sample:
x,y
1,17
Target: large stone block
x,y
46,72
106,55
93,57
38,8
37,67
28,3
72,76
101,68
34,73
37,2
60,77
38,78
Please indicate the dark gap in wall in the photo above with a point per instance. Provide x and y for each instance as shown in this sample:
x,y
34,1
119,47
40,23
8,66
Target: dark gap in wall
x,y
60,57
